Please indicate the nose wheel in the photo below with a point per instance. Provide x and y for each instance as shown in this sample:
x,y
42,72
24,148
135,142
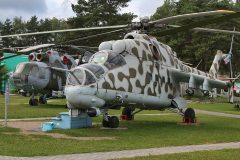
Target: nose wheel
x,y
110,121
189,116
32,101
42,99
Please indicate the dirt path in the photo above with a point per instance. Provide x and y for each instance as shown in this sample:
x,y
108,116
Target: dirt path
x,y
133,153
217,113
33,128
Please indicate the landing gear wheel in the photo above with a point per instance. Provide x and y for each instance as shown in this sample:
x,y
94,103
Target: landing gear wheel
x,y
42,100
127,111
206,93
236,106
190,92
105,123
189,116
33,102
113,122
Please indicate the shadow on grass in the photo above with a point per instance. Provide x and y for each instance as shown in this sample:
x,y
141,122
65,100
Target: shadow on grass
x,y
60,106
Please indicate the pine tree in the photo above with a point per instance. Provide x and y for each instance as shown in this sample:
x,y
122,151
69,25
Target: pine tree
x,y
195,46
6,30
99,13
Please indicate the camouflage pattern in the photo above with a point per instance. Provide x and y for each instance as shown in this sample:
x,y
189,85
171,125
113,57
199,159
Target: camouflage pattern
x,y
147,80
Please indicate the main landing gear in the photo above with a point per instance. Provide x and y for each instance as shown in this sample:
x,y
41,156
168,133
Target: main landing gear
x,y
190,92
189,116
110,121
128,113
42,99
32,101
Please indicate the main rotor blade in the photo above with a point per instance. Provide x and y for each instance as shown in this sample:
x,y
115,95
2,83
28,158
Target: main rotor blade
x,y
209,30
198,24
33,48
64,30
191,15
91,36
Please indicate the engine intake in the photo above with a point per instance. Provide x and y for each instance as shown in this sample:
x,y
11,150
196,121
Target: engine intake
x,y
93,112
32,56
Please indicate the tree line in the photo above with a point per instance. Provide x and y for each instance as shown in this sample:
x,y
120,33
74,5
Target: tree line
x,y
193,47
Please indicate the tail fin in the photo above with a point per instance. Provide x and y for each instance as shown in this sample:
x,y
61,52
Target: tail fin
x,y
216,63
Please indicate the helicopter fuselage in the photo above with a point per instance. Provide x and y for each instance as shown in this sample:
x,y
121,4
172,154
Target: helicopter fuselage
x,y
137,71
37,76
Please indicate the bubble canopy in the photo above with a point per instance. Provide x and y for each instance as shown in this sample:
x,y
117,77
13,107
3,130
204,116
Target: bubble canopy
x,y
108,58
85,74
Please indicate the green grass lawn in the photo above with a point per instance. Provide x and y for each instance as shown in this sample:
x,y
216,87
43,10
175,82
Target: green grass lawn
x,y
216,107
19,108
144,132
230,154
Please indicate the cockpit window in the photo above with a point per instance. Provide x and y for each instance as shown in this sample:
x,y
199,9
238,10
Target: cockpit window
x,y
97,70
76,77
23,68
19,68
80,77
89,78
100,58
108,58
115,60
78,73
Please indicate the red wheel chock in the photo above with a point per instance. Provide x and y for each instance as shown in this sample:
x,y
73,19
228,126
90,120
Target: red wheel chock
x,y
123,118
189,120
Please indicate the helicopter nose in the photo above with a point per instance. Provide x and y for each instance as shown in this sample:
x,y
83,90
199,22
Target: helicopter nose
x,y
19,79
76,98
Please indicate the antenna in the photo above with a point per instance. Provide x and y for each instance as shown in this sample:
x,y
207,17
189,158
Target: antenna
x,y
198,63
231,92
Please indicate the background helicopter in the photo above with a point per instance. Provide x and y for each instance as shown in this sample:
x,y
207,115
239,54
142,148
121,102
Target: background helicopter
x,y
139,72
37,76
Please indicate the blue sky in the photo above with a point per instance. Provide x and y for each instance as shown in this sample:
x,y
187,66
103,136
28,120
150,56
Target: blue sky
x,y
62,8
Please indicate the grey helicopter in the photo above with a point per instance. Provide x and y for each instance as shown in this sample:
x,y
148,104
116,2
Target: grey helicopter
x,y
139,72
37,77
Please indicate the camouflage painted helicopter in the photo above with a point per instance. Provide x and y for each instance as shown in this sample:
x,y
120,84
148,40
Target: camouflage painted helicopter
x,y
37,76
139,72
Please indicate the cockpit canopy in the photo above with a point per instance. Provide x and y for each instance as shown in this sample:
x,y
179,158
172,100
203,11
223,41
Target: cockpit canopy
x,y
108,58
37,70
85,75
89,73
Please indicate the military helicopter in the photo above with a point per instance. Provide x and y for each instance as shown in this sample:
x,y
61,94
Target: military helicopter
x,y
37,76
139,72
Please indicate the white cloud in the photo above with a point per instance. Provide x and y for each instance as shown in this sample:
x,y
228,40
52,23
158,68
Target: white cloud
x,y
143,7
59,9
21,8
62,8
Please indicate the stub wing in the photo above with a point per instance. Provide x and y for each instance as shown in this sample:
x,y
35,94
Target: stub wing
x,y
197,81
